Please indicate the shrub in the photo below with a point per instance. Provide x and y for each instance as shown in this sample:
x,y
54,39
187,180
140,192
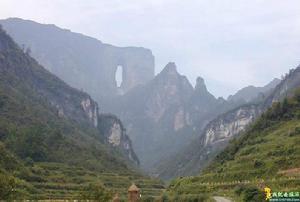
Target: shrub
x,y
258,164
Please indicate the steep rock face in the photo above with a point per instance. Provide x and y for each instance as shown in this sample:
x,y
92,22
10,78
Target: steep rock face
x,y
83,62
66,102
230,124
168,89
115,135
91,110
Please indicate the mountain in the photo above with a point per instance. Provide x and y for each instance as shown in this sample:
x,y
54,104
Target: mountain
x,y
251,93
148,112
53,141
83,62
165,114
266,154
220,130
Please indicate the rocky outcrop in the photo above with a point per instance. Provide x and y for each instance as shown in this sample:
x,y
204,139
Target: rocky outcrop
x,y
115,135
81,61
169,88
228,125
181,119
91,110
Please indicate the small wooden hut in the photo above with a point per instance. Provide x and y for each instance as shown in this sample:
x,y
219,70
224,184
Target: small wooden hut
x,y
133,193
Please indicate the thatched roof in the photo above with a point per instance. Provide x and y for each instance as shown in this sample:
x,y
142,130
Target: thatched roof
x,y
133,187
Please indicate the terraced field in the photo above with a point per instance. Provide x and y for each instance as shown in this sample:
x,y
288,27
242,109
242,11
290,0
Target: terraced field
x,y
59,181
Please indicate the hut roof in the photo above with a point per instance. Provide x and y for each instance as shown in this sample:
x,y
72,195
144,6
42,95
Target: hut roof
x,y
133,187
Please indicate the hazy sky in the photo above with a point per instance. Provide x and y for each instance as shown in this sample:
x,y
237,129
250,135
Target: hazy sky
x,y
230,43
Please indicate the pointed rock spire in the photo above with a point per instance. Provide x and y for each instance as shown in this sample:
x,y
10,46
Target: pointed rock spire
x,y
170,69
200,84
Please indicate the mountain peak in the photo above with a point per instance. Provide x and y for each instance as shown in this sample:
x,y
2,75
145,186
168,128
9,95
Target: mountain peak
x,y
170,69
200,84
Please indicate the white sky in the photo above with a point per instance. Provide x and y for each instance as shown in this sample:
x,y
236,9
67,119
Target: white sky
x,y
230,43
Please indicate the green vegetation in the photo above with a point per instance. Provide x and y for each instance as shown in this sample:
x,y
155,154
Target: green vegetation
x,y
267,154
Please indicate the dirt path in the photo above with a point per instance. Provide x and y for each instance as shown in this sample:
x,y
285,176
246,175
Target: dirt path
x,y
221,199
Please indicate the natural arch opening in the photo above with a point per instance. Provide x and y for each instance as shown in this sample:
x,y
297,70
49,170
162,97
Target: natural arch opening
x,y
119,76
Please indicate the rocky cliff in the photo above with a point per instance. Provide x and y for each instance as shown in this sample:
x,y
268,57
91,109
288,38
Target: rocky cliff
x,y
115,135
229,124
81,61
